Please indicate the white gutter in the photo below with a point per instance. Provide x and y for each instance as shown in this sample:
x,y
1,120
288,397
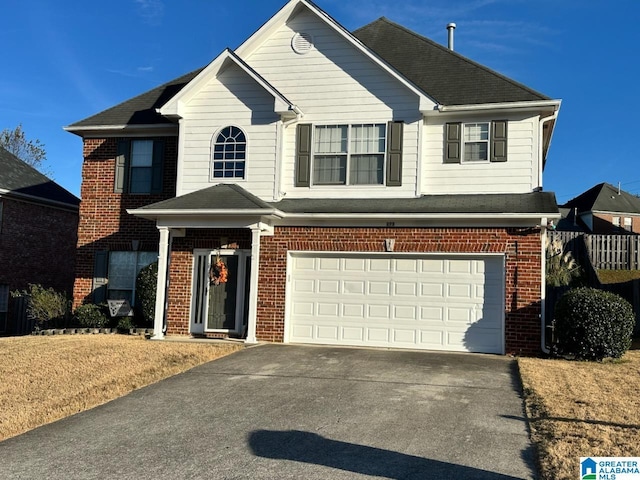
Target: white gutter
x,y
182,213
158,126
421,216
500,106
39,200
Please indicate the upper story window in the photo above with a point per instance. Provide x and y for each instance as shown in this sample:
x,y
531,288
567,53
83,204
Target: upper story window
x,y
229,154
475,142
139,166
349,154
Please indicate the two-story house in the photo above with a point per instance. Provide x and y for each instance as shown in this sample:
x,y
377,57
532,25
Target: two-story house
x,y
317,185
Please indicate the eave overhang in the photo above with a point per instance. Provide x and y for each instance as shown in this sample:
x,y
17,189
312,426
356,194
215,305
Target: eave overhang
x,y
176,106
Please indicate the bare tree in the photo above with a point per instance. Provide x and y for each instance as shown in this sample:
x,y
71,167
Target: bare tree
x,y
31,152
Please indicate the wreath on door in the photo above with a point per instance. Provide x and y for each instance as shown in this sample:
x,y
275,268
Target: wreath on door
x,y
218,272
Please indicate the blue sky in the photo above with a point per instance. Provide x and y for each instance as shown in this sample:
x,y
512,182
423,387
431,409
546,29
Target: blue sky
x,y
68,59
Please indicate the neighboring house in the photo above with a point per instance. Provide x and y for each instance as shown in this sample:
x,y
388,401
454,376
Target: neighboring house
x,y
369,188
38,233
603,209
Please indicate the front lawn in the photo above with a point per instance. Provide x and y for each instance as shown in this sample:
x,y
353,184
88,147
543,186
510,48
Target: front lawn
x,y
581,409
48,378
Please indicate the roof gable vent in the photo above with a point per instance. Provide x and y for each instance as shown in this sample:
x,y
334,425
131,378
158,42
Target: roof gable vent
x,y
302,43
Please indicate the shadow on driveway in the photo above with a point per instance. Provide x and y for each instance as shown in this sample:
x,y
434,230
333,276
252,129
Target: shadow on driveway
x,y
306,447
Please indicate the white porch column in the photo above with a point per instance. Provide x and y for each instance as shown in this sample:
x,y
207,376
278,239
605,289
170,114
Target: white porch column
x,y
253,286
161,287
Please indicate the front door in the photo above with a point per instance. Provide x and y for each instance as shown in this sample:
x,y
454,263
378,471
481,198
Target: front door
x,y
220,305
223,297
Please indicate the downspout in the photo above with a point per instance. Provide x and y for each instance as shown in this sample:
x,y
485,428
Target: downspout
x,y
543,120
282,126
543,286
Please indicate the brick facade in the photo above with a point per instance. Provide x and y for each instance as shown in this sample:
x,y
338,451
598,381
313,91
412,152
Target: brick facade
x,y
603,223
104,222
37,245
521,247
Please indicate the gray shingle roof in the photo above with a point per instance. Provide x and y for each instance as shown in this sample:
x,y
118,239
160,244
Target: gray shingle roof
x,y
535,203
18,178
219,197
140,110
446,76
605,198
234,198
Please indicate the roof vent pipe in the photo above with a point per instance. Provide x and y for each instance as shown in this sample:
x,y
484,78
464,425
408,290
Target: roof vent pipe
x,y
451,27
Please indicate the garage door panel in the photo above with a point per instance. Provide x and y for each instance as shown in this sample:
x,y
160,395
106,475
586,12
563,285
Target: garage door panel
x,y
379,288
431,303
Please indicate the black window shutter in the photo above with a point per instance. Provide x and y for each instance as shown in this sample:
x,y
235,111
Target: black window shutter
x,y
156,166
395,132
122,167
452,142
100,267
499,141
303,155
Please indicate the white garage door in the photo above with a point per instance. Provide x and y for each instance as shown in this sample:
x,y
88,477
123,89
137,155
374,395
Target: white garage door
x,y
427,302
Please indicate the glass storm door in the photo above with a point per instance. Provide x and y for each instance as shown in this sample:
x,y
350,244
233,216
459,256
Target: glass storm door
x,y
223,298
222,307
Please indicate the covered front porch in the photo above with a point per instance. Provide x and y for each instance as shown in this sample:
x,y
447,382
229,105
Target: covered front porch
x,y
208,262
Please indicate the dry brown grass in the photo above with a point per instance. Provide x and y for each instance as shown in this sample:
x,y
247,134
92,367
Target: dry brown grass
x,y
580,409
48,378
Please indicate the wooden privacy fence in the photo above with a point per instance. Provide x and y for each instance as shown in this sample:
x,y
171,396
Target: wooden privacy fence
x,y
607,252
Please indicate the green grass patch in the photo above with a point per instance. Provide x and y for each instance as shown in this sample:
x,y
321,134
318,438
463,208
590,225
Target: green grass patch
x,y
618,276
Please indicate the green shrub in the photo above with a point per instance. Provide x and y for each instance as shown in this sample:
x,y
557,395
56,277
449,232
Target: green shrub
x,y
125,323
90,316
593,324
47,307
146,293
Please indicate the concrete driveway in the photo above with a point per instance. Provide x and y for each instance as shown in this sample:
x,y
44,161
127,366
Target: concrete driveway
x,y
297,412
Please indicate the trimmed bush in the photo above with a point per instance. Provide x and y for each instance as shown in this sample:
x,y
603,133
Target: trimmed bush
x,y
146,293
125,324
593,324
49,309
90,316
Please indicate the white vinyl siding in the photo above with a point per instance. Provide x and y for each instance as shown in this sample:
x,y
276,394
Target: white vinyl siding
x,y
435,302
335,84
231,99
517,175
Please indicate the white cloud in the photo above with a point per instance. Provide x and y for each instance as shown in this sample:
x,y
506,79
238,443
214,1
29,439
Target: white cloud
x,y
152,11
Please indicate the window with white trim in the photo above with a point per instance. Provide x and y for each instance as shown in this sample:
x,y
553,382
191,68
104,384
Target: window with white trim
x,y
627,223
141,166
4,307
124,268
229,154
475,147
349,154
615,221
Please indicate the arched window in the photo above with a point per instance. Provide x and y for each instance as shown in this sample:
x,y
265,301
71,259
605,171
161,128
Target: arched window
x,y
229,153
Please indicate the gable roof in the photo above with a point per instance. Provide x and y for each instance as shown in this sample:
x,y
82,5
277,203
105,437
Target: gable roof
x,y
173,107
434,72
21,180
443,74
604,197
219,199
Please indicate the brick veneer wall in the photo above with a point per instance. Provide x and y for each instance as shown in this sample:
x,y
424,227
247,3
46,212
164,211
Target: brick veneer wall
x,y
180,276
104,221
522,249
37,245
